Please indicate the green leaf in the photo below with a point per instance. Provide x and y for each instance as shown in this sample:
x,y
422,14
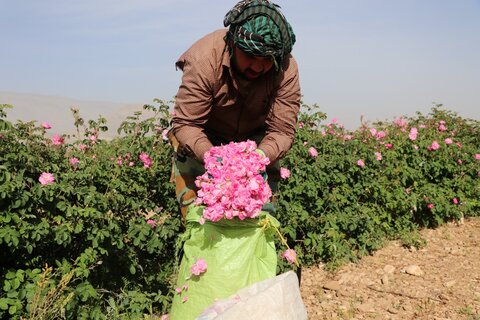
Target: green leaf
x,y
16,283
78,228
61,206
7,286
132,269
3,304
12,310
15,241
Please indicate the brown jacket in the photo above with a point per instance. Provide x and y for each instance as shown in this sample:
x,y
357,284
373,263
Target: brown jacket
x,y
212,103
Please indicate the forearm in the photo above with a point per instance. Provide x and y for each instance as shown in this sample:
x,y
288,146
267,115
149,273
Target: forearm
x,y
192,109
276,145
192,140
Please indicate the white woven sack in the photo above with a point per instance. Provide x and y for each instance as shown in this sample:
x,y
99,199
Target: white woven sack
x,y
272,299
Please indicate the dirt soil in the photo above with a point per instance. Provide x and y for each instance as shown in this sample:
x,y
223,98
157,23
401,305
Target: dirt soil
x,y
440,281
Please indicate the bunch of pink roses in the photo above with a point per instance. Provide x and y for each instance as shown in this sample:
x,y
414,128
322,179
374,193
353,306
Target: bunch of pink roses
x,y
233,184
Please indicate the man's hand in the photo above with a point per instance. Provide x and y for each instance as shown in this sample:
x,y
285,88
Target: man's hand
x,y
264,173
260,151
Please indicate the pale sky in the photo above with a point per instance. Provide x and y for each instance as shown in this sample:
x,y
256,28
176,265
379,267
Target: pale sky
x,y
377,58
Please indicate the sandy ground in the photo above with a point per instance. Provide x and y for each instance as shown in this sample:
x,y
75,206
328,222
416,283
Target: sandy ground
x,y
439,281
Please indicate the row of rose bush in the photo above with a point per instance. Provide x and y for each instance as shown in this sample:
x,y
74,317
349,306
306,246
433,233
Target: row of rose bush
x,y
103,213
350,191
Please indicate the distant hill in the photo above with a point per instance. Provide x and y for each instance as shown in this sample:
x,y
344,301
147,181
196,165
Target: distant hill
x,y
56,110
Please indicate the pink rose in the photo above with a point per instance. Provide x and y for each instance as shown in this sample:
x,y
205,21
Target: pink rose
x,y
400,122
434,146
360,163
46,178
380,135
455,201
430,206
165,134
477,156
57,140
147,162
441,126
284,173
290,255
413,134
378,156
74,161
199,267
313,152
448,141
46,125
152,223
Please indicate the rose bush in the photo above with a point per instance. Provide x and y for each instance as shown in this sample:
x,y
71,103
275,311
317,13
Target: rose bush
x,y
377,182
102,214
109,216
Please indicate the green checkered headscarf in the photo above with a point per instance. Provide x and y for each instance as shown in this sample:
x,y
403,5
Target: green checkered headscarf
x,y
259,28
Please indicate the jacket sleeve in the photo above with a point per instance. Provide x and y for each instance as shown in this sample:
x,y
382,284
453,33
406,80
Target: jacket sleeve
x,y
192,107
282,118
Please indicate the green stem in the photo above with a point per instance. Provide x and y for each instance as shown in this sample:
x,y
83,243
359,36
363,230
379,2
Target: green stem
x,y
267,223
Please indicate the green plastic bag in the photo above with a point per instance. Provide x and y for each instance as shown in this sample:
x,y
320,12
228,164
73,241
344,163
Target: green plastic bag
x,y
238,254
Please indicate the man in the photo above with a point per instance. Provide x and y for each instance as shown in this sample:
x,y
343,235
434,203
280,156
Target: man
x,y
237,84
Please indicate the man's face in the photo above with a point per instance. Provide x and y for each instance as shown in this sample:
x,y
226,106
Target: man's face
x,y
249,66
